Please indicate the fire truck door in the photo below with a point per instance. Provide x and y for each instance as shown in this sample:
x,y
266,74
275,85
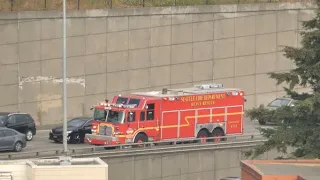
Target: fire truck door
x,y
149,123
132,121
234,120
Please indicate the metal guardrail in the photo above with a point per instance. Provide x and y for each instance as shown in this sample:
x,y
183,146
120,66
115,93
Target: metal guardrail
x,y
176,149
123,149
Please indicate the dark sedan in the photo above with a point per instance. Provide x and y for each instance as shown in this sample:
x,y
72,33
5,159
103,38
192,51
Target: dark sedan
x,y
76,129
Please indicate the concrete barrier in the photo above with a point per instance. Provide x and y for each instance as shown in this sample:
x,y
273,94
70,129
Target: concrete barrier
x,y
192,165
179,164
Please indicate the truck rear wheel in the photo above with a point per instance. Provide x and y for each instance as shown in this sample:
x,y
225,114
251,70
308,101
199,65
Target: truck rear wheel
x,y
218,133
203,135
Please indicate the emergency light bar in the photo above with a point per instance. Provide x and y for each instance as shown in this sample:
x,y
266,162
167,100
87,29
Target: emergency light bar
x,y
209,86
129,106
103,104
118,105
234,93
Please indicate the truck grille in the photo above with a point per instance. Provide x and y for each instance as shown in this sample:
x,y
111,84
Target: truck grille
x,y
105,130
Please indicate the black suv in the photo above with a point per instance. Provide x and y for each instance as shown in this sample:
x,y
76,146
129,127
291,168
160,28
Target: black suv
x,y
21,122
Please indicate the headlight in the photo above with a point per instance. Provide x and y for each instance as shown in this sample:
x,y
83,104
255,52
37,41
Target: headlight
x,y
51,131
68,132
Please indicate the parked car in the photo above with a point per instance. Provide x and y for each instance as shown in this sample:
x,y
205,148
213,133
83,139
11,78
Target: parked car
x,y
21,122
11,139
76,127
276,103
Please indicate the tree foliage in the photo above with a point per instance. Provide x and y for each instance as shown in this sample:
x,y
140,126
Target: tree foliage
x,y
297,126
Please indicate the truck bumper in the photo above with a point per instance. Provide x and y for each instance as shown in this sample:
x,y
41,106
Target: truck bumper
x,y
101,140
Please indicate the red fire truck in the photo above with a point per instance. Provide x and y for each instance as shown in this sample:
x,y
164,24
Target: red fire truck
x,y
202,111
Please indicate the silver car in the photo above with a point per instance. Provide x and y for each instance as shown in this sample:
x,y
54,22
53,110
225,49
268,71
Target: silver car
x,y
275,104
11,139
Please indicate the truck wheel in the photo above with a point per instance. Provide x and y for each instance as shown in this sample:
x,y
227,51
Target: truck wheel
x,y
262,122
218,133
203,135
140,138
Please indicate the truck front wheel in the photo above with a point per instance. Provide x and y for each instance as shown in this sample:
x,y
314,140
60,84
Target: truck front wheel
x,y
140,138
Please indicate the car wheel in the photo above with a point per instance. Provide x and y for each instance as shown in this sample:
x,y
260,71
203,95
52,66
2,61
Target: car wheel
x,y
17,146
29,135
262,122
56,141
76,138
69,139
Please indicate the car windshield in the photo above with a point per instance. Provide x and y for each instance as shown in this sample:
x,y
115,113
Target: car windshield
x,y
279,102
76,122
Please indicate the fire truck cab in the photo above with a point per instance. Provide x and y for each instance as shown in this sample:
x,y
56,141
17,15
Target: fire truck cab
x,y
198,112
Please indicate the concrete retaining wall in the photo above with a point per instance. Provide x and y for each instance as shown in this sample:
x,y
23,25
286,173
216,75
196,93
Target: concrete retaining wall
x,y
124,50
195,165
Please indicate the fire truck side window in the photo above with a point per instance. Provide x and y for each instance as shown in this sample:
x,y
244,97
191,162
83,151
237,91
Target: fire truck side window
x,y
150,112
142,115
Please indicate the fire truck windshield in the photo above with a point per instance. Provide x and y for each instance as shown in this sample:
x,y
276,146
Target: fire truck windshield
x,y
113,116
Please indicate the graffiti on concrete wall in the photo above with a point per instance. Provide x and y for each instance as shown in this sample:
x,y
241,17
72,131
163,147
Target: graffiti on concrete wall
x,y
50,79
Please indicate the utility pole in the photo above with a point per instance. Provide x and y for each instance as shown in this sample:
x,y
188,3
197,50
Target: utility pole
x,y
66,160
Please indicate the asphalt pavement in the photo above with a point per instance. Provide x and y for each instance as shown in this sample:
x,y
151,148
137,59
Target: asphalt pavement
x,y
41,142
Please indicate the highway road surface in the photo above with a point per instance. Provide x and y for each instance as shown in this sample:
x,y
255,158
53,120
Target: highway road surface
x,y
41,142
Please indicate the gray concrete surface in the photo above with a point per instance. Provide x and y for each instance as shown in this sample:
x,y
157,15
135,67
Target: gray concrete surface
x,y
119,51
188,165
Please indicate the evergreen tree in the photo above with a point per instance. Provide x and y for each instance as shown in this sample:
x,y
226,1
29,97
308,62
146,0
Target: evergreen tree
x,y
298,126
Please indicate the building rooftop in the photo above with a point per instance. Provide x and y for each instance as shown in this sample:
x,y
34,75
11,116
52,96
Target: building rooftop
x,y
300,169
